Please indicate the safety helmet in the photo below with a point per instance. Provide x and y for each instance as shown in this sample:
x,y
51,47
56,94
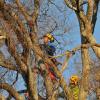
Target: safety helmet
x,y
74,79
50,37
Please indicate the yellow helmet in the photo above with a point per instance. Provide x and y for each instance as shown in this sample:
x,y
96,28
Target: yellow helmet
x,y
74,79
51,38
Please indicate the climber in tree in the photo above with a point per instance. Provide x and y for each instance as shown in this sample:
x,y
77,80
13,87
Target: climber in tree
x,y
74,86
47,39
49,50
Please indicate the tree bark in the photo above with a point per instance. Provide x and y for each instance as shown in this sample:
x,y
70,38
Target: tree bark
x,y
84,84
2,97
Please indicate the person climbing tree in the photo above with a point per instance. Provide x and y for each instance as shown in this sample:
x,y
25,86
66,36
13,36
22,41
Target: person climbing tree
x,y
49,50
74,86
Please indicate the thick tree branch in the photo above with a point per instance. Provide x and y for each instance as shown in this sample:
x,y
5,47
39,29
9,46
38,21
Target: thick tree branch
x,y
85,74
83,17
24,91
96,49
8,65
11,91
32,85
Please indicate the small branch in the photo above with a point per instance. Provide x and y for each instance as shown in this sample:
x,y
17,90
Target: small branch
x,y
22,9
70,5
65,63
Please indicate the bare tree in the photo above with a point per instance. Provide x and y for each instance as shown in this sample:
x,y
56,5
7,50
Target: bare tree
x,y
20,34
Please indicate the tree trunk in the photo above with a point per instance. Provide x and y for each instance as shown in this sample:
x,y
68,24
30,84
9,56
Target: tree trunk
x,y
85,65
85,75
